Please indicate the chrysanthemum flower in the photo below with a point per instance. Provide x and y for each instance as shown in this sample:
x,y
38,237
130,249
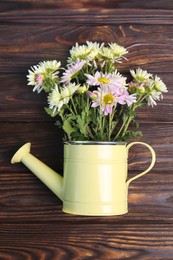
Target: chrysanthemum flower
x,y
153,97
140,75
72,70
122,95
94,48
50,66
67,92
107,54
44,71
91,99
117,50
159,85
145,83
101,79
35,78
55,100
108,97
156,87
79,52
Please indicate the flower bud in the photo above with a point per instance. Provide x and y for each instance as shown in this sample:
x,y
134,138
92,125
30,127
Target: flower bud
x,y
141,90
38,78
92,95
82,89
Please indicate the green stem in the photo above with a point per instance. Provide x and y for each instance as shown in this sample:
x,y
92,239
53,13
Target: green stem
x,y
74,107
135,105
127,122
120,130
100,117
127,125
103,127
89,133
62,117
70,109
110,127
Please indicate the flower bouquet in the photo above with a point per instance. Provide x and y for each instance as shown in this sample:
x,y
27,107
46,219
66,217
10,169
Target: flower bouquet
x,y
90,99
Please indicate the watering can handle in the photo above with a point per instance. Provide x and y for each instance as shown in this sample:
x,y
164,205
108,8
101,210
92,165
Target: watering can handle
x,y
151,164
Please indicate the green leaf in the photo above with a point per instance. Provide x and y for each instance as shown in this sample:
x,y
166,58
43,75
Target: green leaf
x,y
48,84
83,121
135,123
68,128
78,136
132,113
58,123
132,134
50,112
81,124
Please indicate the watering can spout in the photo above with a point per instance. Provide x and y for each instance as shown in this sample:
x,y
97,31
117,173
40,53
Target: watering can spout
x,y
50,178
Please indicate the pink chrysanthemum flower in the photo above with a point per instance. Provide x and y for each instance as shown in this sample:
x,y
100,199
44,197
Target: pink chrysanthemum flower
x,y
73,69
109,96
101,79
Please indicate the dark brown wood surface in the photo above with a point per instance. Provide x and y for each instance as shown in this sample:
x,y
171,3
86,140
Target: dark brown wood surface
x,y
32,225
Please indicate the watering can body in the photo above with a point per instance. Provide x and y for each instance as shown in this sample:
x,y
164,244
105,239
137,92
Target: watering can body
x,y
95,180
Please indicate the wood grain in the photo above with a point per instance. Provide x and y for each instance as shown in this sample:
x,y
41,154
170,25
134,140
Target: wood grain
x,y
149,46
150,201
68,4
109,242
47,145
80,16
32,225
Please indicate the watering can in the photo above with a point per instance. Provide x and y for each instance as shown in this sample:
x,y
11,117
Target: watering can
x,y
95,180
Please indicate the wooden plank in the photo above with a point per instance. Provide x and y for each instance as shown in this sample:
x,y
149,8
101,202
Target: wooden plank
x,y
66,4
47,138
149,46
24,198
47,144
96,241
81,15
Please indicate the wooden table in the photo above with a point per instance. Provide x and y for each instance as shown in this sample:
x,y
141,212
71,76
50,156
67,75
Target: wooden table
x,y
32,225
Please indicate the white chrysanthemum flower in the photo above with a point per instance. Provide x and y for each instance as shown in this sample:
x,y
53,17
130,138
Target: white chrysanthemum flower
x,y
79,52
94,50
151,100
93,45
35,78
45,70
159,85
118,50
71,71
50,65
107,53
68,91
140,75
156,87
55,100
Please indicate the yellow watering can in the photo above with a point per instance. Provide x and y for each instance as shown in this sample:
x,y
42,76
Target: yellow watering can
x,y
95,178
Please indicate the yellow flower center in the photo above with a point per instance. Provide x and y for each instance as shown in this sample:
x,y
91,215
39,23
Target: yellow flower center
x,y
103,80
108,99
